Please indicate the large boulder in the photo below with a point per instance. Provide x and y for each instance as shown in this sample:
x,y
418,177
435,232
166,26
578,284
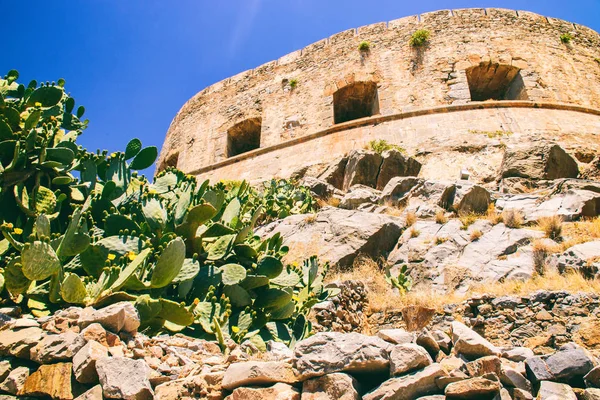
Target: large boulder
x,y
470,344
53,380
329,352
563,366
362,168
18,343
251,373
15,380
547,161
117,317
124,378
408,357
84,362
336,235
396,164
334,173
320,188
358,195
409,387
53,348
582,256
336,386
467,198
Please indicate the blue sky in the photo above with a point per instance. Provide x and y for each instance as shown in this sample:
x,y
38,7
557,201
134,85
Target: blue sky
x,y
133,63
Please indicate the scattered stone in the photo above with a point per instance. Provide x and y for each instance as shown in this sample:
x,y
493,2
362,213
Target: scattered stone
x,y
518,354
470,344
409,387
408,357
417,317
98,334
124,378
84,362
15,380
554,391
396,164
484,365
429,343
52,380
473,388
320,188
54,348
5,369
593,377
18,343
279,391
258,373
94,393
336,386
468,198
117,317
329,352
547,161
397,189
591,394
358,195
396,336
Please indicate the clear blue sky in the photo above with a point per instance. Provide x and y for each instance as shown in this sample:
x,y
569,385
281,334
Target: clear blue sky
x,y
133,63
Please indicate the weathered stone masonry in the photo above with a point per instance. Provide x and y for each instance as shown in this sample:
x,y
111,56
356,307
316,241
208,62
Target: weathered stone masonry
x,y
420,98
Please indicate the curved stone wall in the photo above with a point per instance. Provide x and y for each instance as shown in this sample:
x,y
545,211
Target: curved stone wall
x,y
411,95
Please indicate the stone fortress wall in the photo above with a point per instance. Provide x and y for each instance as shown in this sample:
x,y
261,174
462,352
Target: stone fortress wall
x,y
482,70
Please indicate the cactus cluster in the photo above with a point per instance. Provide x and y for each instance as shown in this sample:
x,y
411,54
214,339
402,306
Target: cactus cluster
x,y
84,228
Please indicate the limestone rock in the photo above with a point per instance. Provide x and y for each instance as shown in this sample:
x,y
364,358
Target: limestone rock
x,y
517,354
15,380
98,334
562,366
330,352
474,388
336,235
554,391
592,378
336,386
470,344
547,161
358,195
396,164
320,188
52,380
19,342
279,391
484,365
84,362
117,317
334,173
408,357
396,190
409,387
468,198
396,336
592,170
362,168
53,348
94,393
124,378
513,378
5,369
591,394
579,256
258,373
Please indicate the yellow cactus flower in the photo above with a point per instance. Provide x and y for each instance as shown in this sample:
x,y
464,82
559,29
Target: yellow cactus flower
x,y
18,231
235,329
131,255
38,104
111,257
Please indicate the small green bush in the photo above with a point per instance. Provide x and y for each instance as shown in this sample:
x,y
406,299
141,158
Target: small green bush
x,y
380,146
419,38
364,46
293,83
566,38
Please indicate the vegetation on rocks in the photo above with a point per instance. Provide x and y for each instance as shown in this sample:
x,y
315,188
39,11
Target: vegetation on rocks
x,y
84,228
379,146
419,38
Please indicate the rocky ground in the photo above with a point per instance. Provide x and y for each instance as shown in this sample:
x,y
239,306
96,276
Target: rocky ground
x,y
535,217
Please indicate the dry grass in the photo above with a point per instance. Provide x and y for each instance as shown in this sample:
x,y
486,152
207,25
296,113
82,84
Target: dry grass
x,y
310,218
512,218
440,240
552,226
440,217
492,215
475,235
411,218
330,201
393,209
468,220
414,233
586,230
365,269
540,251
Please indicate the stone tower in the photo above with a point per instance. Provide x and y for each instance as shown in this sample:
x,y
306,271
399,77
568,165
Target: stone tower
x,y
484,80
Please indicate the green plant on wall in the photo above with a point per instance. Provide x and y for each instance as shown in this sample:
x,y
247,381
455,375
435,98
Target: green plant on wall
x,y
381,145
419,38
85,228
364,46
566,38
293,83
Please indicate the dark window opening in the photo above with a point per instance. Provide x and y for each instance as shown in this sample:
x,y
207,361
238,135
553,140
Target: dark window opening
x,y
244,137
354,101
170,161
493,81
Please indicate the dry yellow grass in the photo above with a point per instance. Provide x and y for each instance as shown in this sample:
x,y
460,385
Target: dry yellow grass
x,y
330,201
310,218
411,218
467,220
551,226
441,239
440,217
492,215
475,235
586,230
414,232
541,251
512,218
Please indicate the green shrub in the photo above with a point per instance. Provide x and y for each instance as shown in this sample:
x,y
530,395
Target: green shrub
x,y
84,228
380,146
419,38
364,46
402,281
566,38
293,83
